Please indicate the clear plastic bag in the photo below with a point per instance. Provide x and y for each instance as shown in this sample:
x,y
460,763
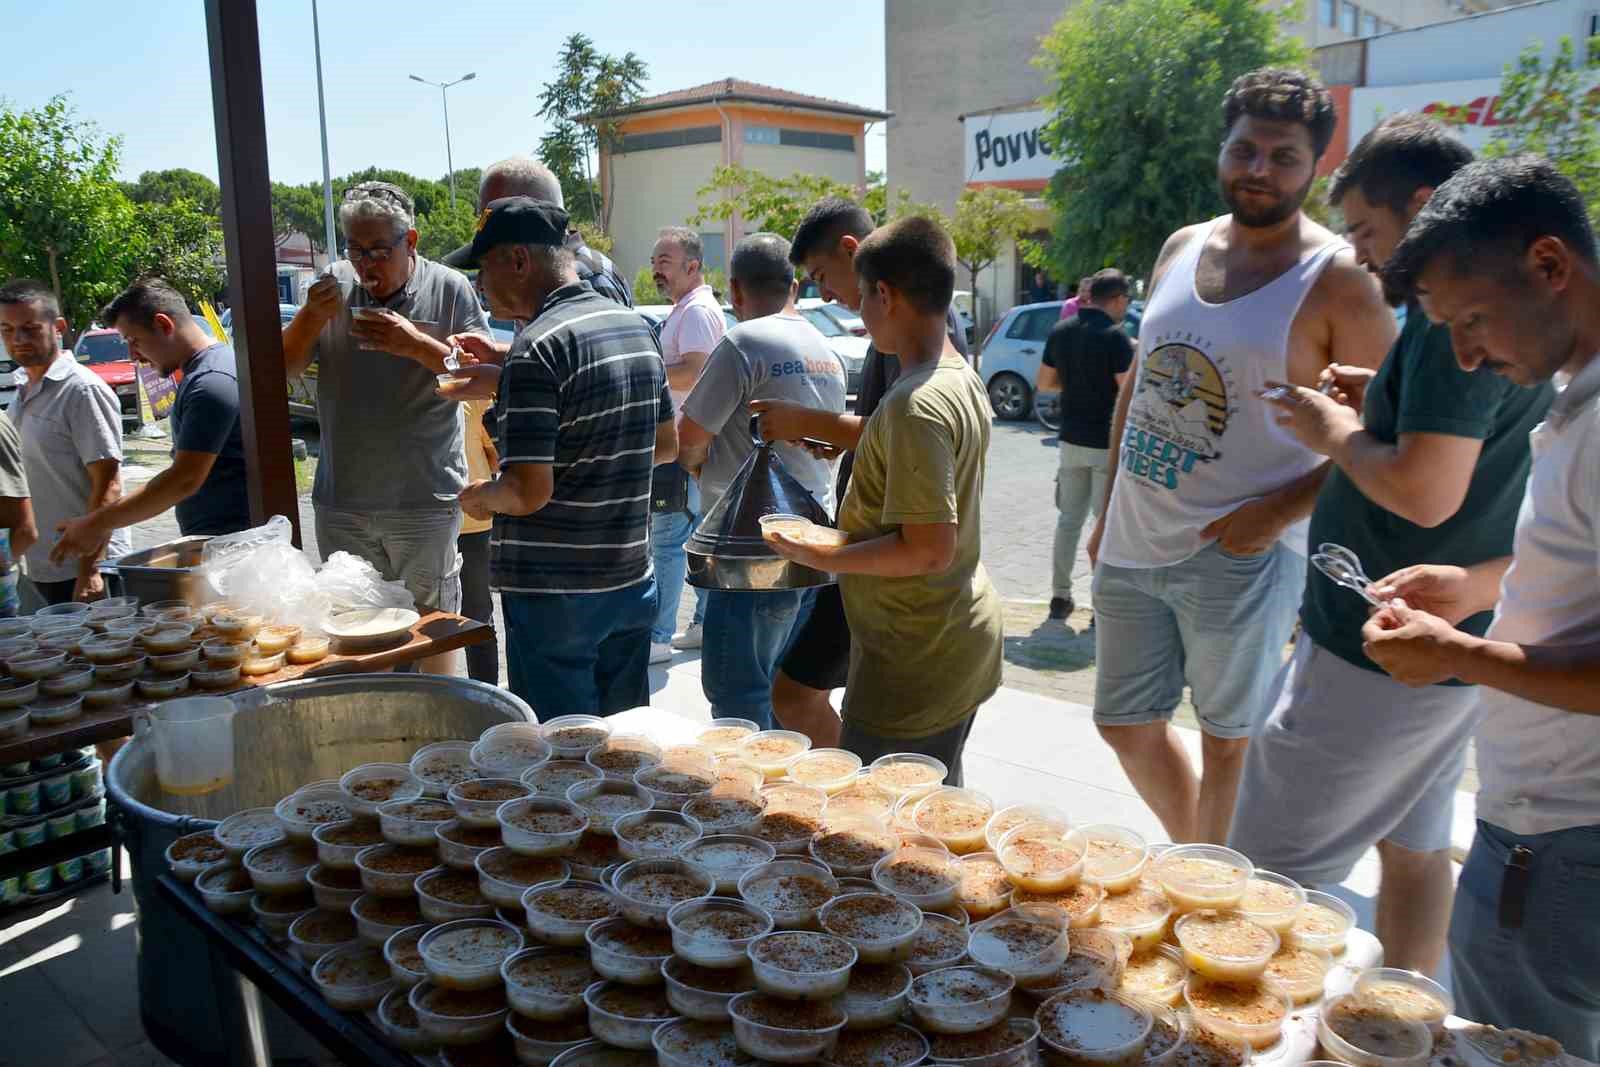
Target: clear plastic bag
x,y
351,582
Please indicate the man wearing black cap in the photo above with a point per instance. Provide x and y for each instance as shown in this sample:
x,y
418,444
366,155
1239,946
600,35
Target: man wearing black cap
x,y
581,418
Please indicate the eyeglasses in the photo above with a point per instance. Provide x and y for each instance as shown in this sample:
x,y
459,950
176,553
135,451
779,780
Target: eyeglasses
x,y
375,254
378,191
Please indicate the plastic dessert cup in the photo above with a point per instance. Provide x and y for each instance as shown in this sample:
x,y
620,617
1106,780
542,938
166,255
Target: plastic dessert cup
x,y
456,1017
541,826
106,648
244,830
555,777
1407,994
772,751
902,774
1224,946
258,663
123,670
890,1046
338,843
477,800
396,1020
791,891
571,737
960,1000
280,868
446,895
67,639
655,834
1272,900
1253,1014
673,782
236,625
802,965
1325,922
271,640
1155,977
626,1016
309,649
728,857
210,677
372,785
460,845
784,1031
647,890
1357,1030
985,887
1096,961
880,926
1091,1026
941,943
192,853
734,771
404,958
32,666
1141,914
441,765
507,750
168,637
275,914
561,914
380,918
716,932
318,932
1115,858
392,871
1301,974
14,692
161,607
412,822
623,755
1203,876
1044,857
353,978
162,686
726,810
694,1043
605,800
1028,942
504,875
541,1043
107,694
1008,1044
622,952
547,983
955,817
225,889
467,953
723,736
852,849
1168,1031
929,878
831,770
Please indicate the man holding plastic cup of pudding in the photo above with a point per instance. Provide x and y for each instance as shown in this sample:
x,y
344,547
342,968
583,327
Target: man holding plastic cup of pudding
x,y
1526,923
377,324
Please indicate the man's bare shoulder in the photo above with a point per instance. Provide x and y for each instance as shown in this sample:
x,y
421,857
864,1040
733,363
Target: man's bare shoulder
x,y
1175,243
1345,283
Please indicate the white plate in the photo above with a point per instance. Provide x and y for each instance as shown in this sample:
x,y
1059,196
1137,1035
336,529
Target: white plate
x,y
371,627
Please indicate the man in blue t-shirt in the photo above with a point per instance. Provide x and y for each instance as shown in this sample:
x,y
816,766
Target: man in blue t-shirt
x,y
1430,463
206,480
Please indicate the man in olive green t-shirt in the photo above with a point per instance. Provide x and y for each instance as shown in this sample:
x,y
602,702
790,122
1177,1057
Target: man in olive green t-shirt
x,y
924,620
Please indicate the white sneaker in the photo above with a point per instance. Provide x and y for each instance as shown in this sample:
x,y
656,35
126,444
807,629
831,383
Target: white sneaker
x,y
693,637
660,653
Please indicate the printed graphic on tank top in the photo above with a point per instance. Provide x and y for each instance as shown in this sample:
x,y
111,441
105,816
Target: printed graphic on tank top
x,y
1198,441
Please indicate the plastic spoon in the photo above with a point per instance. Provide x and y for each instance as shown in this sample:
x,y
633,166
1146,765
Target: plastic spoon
x,y
1342,567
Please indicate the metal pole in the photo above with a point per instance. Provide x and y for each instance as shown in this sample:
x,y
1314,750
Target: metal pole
x,y
322,118
449,161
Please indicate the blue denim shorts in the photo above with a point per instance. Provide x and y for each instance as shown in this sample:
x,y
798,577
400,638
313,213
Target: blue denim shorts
x,y
1216,622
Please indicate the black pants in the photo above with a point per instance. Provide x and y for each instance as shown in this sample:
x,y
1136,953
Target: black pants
x,y
483,661
56,592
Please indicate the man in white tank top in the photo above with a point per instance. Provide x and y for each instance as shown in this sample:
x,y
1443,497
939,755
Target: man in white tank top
x,y
1200,549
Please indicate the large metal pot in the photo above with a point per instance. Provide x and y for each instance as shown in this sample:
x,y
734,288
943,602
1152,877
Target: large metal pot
x,y
195,1009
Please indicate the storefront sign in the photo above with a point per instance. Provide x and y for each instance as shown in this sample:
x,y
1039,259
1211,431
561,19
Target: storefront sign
x,y
1475,109
1008,147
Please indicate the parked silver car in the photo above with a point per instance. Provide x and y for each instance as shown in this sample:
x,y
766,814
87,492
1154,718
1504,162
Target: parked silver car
x,y
1010,362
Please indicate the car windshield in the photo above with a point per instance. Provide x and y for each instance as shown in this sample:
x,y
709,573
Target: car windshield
x,y
822,321
102,348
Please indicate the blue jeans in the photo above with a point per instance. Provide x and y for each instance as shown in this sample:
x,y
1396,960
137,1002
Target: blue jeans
x,y
580,653
1542,975
669,530
746,637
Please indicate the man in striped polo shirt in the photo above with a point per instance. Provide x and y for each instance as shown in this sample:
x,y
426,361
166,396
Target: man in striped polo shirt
x,y
582,417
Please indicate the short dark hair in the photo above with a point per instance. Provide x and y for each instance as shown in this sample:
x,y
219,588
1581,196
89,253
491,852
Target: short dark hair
x,y
761,265
146,298
915,257
30,291
1488,215
1108,285
1400,155
686,239
828,220
1284,96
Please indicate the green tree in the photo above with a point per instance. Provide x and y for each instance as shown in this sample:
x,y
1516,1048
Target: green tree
x,y
1134,106
644,287
583,104
1556,112
182,244
298,209
63,216
178,183
763,202
443,230
988,220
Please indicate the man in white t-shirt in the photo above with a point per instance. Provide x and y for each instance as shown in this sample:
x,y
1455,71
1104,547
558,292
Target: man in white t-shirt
x,y
1526,922
692,330
773,354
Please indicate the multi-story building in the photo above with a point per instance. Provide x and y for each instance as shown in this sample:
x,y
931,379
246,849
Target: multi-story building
x,y
672,142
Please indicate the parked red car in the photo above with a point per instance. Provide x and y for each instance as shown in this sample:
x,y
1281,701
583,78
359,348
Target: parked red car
x,y
106,353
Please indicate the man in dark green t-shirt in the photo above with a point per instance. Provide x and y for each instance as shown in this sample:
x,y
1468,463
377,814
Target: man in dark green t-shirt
x,y
1429,464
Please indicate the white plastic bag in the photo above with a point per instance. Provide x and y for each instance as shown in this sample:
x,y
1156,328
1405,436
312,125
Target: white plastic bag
x,y
351,582
223,553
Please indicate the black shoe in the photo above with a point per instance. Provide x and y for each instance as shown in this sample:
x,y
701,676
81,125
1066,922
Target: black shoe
x,y
1060,607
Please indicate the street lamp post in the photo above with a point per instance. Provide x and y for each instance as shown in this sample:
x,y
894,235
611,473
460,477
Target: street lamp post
x,y
449,162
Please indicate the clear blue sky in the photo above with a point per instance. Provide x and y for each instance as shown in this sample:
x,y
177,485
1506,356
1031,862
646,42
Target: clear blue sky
x,y
140,70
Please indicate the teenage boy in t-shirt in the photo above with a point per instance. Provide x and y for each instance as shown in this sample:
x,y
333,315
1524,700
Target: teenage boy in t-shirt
x,y
1429,469
924,620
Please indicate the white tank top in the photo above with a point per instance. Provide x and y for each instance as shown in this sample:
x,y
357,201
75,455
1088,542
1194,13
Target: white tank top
x,y
1199,442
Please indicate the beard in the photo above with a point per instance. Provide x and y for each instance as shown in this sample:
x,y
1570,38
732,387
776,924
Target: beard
x,y
1262,216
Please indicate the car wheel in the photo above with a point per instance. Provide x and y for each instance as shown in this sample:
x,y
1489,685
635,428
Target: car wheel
x,y
1047,409
1010,396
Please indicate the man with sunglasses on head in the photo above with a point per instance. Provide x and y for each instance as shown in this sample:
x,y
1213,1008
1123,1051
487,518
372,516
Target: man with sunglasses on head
x,y
377,324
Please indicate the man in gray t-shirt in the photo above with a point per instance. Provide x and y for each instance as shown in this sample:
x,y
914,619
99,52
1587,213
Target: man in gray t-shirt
x,y
378,325
773,354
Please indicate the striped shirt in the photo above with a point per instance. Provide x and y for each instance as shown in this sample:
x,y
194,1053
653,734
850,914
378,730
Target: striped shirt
x,y
583,390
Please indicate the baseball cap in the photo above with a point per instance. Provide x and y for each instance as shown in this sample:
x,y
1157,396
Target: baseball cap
x,y
511,220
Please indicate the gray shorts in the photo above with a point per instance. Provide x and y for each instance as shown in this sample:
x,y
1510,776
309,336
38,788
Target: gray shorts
x,y
1349,757
1217,622
415,547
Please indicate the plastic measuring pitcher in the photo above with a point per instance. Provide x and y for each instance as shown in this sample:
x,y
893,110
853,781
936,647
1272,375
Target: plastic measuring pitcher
x,y
193,739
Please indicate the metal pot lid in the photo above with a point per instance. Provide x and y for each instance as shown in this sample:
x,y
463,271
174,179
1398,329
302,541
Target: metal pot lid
x,y
763,486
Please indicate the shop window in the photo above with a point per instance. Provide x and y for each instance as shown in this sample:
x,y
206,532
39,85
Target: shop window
x,y
1369,25
1329,12
761,135
641,142
1349,18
